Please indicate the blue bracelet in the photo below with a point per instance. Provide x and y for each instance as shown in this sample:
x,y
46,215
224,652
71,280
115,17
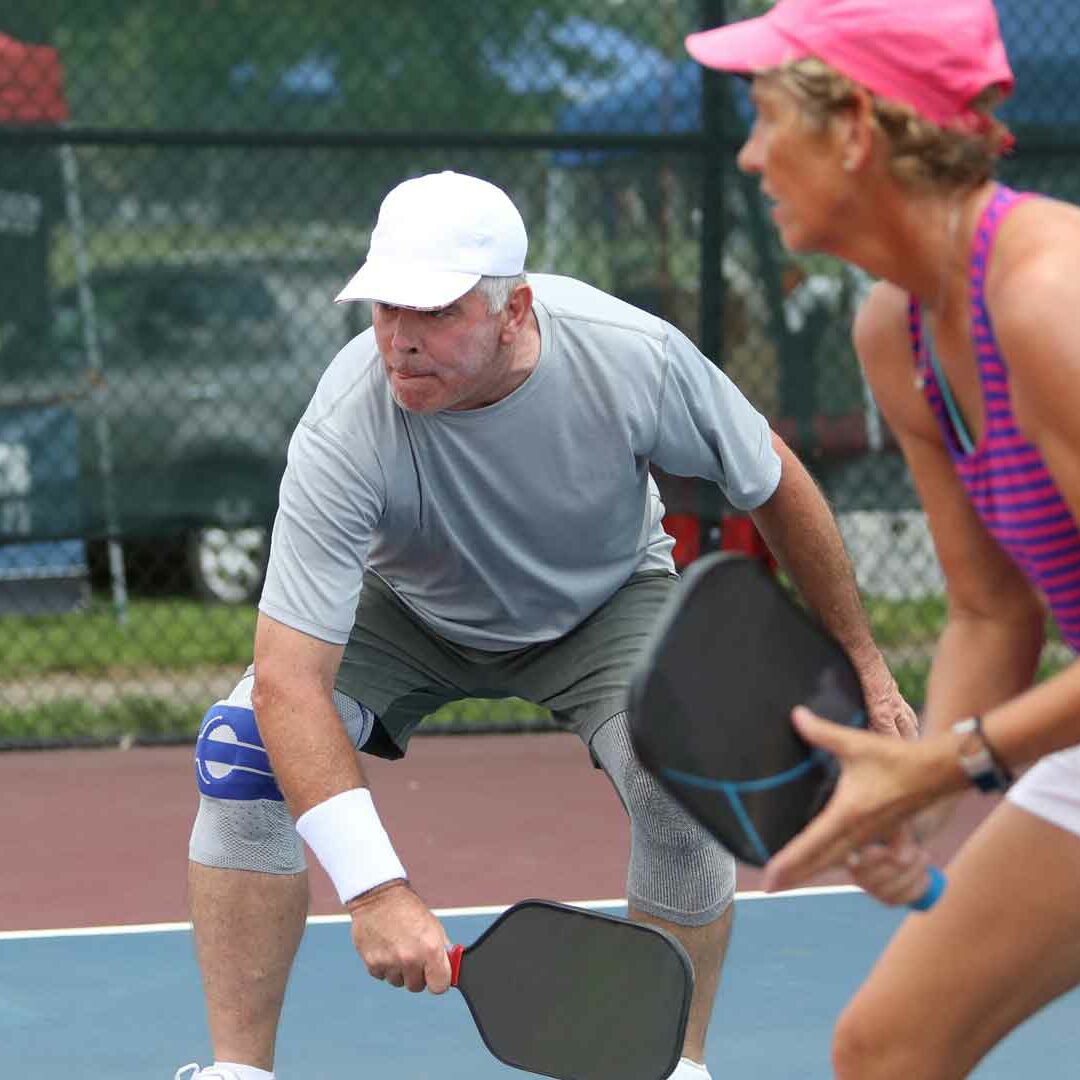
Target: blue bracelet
x,y
933,891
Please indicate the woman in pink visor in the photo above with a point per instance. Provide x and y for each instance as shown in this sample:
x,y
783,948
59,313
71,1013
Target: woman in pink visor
x,y
875,141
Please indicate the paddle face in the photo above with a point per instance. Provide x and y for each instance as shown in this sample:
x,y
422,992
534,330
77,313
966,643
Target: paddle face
x,y
711,705
576,994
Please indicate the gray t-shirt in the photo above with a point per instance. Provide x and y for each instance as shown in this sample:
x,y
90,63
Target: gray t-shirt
x,y
508,525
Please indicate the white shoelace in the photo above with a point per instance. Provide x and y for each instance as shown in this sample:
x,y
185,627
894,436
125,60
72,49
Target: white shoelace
x,y
193,1072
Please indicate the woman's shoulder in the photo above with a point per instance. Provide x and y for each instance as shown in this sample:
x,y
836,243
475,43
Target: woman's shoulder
x,y
1038,245
882,324
1032,296
883,341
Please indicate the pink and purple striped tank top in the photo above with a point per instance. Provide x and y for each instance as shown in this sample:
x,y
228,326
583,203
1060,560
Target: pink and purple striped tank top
x,y
1004,474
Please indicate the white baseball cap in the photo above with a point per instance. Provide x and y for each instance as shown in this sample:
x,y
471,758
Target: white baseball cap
x,y
436,236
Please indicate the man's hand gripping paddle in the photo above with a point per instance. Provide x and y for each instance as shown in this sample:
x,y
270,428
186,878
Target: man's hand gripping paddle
x,y
711,708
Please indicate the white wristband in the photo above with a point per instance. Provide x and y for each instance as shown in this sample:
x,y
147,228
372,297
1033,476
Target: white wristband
x,y
350,842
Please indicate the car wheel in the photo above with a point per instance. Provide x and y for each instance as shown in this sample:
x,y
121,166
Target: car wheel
x,y
228,565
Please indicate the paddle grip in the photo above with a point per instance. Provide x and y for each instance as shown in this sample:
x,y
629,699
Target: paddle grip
x,y
456,952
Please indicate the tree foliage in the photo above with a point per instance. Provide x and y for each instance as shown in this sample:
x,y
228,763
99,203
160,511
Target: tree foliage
x,y
317,64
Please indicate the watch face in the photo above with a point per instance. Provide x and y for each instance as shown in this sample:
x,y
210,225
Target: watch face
x,y
971,746
975,759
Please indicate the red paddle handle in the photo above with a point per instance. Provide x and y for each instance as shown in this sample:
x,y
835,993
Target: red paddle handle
x,y
456,953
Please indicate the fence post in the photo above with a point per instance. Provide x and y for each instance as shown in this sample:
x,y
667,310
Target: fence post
x,y
713,212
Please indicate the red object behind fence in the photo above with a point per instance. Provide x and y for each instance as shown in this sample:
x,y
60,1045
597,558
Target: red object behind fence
x,y
739,533
693,537
685,529
31,84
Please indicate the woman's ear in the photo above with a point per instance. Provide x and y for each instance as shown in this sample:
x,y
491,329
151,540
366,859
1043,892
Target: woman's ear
x,y
854,131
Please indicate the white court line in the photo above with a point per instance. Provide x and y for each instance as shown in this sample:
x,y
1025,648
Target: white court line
x,y
442,913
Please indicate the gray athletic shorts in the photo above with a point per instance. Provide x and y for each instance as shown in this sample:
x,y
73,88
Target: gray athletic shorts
x,y
403,671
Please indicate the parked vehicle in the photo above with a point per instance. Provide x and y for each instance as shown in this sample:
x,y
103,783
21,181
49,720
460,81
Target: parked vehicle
x,y
186,382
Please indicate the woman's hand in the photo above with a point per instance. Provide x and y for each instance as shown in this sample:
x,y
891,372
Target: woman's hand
x,y
894,872
882,783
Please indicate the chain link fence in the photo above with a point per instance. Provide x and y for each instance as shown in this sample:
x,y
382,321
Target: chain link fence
x,y
185,186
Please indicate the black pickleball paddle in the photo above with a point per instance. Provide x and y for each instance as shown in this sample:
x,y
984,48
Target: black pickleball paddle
x,y
711,706
576,994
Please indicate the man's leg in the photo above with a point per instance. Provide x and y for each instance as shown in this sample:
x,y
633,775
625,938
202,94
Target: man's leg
x,y
707,947
248,887
248,927
679,878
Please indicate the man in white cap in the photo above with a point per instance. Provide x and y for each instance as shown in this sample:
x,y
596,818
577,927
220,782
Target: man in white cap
x,y
468,510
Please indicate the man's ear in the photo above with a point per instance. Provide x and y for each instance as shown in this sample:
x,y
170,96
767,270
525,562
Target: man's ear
x,y
517,311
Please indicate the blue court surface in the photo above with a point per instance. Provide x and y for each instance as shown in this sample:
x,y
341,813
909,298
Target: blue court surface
x,y
125,1004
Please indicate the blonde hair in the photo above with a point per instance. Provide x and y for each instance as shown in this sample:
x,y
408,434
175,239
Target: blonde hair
x,y
922,154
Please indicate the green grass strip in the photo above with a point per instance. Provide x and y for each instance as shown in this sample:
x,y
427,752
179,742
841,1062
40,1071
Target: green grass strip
x,y
165,634
128,720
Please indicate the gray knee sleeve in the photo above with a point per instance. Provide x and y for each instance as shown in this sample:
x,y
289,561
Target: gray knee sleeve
x,y
237,835
243,822
678,871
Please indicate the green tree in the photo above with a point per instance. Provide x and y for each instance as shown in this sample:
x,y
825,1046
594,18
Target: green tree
x,y
311,64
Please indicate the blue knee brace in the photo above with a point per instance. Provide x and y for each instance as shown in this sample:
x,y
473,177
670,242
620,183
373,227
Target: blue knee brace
x,y
230,759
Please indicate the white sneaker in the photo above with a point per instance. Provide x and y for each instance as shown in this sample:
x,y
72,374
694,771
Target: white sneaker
x,y
193,1072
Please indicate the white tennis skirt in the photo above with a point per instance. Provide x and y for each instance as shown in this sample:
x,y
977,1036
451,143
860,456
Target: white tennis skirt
x,y
1051,789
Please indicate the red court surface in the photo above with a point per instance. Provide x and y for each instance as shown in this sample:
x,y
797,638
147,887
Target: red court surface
x,y
99,837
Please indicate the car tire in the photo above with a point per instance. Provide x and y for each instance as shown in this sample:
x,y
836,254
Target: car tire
x,y
228,565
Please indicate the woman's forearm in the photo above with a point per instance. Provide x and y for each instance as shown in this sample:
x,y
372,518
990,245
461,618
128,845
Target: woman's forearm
x,y
1038,722
979,663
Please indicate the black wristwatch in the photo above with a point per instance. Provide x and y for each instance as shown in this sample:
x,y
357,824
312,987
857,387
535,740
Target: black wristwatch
x,y
977,758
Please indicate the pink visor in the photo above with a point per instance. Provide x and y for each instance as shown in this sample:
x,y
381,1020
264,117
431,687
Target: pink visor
x,y
932,56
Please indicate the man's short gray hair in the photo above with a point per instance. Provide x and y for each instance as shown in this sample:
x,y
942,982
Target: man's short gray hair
x,y
497,290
